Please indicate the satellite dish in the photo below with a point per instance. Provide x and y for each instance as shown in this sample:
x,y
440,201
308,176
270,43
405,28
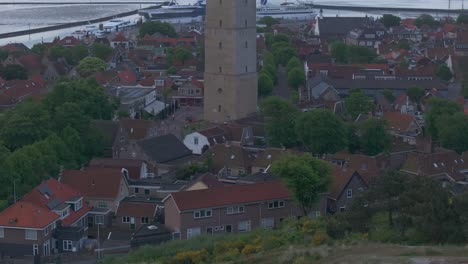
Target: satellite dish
x,y
152,227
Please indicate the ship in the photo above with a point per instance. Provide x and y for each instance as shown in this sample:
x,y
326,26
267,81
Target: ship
x,y
172,9
286,8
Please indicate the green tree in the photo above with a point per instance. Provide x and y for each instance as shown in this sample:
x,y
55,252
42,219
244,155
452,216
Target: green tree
x,y
306,177
415,94
390,20
452,132
339,52
462,19
24,125
182,54
171,70
268,21
265,85
71,115
3,54
280,120
13,72
39,48
152,27
101,51
292,64
75,54
374,138
56,52
352,138
321,131
358,103
439,109
272,72
283,53
91,65
425,19
404,44
360,54
296,78
444,73
388,95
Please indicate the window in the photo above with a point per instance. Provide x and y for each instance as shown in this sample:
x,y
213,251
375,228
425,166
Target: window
x,y
275,204
145,220
228,172
349,193
99,219
268,222
191,232
202,213
195,140
219,108
228,228
246,69
137,190
35,249
46,231
102,204
317,214
126,219
65,213
78,205
220,69
67,245
220,23
244,226
342,209
2,232
235,209
30,234
220,45
209,230
246,44
147,191
245,22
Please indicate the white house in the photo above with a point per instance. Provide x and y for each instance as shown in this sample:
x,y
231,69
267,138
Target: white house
x,y
199,142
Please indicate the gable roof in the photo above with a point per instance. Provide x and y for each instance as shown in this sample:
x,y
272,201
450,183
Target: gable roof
x,y
164,148
137,129
27,215
132,165
131,208
215,135
95,182
232,155
230,195
398,121
368,167
340,25
52,194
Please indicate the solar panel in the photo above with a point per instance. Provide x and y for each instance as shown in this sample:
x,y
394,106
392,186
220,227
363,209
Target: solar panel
x,y
54,203
44,189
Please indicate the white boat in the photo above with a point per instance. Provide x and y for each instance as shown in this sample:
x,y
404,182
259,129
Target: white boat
x,y
116,24
173,9
286,8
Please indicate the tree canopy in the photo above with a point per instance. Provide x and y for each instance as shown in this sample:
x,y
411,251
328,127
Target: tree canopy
x,y
344,53
374,138
152,27
415,93
306,177
101,51
3,54
358,103
453,132
296,78
91,65
268,21
462,19
265,85
439,109
426,19
13,71
39,48
444,72
390,20
321,131
280,121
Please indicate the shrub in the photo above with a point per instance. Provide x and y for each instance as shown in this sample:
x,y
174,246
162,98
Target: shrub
x,y
320,237
250,249
189,257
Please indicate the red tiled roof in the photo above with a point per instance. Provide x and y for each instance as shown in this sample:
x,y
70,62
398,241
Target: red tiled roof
x,y
95,182
68,41
230,195
61,192
341,177
119,38
31,62
398,121
127,77
19,89
132,165
136,209
136,128
26,215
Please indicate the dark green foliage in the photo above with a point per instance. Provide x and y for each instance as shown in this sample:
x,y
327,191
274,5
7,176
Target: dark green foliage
x,y
358,103
3,55
101,51
389,95
56,52
390,20
426,19
415,93
296,78
444,72
283,53
265,85
343,53
321,131
280,120
293,63
13,72
462,19
152,27
374,138
306,177
453,132
72,55
352,138
91,65
439,109
182,54
268,21
404,44
39,48
171,70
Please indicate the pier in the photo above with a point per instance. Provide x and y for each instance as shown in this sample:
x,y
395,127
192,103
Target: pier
x,y
386,9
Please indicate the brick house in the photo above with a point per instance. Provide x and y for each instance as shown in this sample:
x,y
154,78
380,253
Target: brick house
x,y
403,126
136,169
103,189
134,213
50,218
226,209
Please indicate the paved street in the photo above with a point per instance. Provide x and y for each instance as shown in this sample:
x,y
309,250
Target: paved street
x,y
176,123
282,88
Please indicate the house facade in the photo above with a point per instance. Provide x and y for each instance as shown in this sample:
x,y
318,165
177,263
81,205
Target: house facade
x,y
228,209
